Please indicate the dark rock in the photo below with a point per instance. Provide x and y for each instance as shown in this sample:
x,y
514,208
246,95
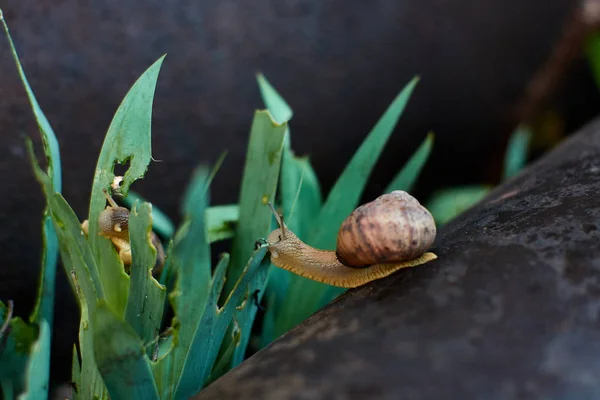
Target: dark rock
x,y
510,310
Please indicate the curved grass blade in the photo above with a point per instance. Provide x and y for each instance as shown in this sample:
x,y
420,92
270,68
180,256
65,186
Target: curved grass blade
x,y
306,296
447,204
212,327
79,264
276,105
301,201
259,184
16,339
121,357
409,174
128,138
261,173
191,261
146,299
345,194
44,307
225,357
37,378
516,152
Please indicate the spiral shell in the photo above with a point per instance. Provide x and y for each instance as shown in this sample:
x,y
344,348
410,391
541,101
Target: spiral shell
x,y
392,228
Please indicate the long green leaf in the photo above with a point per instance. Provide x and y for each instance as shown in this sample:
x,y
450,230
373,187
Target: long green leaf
x,y
80,265
408,175
261,174
191,259
214,324
121,357
221,221
16,339
146,296
276,105
516,152
38,366
348,189
128,138
301,202
44,308
306,296
447,204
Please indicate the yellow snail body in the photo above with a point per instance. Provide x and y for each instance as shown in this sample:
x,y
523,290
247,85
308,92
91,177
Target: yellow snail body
x,y
113,222
377,239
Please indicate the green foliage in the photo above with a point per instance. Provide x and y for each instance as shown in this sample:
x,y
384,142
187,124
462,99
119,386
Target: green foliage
x,y
38,370
127,348
516,152
17,338
124,349
292,298
447,204
121,357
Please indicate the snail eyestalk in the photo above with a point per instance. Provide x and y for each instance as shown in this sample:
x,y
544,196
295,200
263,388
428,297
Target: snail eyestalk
x,y
279,219
110,199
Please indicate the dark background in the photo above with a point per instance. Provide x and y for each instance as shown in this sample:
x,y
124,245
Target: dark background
x,y
338,64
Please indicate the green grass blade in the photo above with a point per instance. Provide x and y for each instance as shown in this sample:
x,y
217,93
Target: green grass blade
x,y
51,147
128,138
161,223
191,260
16,338
80,265
121,357
44,307
221,221
447,204
409,174
224,360
197,358
347,191
306,296
259,183
65,220
37,371
276,105
516,152
301,202
75,370
261,174
214,324
146,296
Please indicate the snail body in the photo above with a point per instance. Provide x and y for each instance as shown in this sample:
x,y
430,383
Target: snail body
x,y
378,238
113,222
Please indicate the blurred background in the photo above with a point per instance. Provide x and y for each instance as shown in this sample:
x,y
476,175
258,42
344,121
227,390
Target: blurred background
x,y
485,68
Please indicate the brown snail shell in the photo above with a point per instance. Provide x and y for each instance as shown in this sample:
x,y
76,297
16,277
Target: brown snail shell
x,y
392,228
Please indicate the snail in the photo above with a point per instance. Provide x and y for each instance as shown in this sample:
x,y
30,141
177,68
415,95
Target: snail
x,y
377,239
113,222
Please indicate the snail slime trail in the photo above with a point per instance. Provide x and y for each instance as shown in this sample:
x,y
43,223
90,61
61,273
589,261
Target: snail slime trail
x,y
378,238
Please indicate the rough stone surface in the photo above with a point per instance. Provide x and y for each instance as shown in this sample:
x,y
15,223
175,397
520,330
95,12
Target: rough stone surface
x,y
510,310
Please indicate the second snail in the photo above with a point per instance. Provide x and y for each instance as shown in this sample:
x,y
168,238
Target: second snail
x,y
378,238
